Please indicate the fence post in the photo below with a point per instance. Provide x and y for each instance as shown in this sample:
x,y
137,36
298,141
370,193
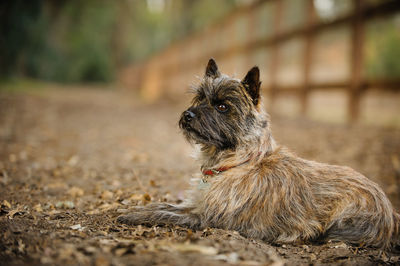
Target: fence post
x,y
252,18
309,45
274,64
357,39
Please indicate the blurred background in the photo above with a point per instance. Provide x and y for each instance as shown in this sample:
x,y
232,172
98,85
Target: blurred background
x,y
332,60
85,41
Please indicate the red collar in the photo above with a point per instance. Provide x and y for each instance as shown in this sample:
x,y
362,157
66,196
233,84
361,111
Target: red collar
x,y
213,172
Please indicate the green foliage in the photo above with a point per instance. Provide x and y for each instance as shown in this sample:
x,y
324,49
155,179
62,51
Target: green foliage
x,y
73,46
85,41
383,50
17,18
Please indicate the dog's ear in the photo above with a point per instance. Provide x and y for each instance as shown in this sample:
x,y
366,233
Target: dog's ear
x,y
212,69
252,84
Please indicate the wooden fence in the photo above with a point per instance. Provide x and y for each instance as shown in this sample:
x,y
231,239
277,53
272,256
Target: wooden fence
x,y
237,39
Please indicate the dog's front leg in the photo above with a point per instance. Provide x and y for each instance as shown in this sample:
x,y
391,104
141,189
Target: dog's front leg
x,y
161,214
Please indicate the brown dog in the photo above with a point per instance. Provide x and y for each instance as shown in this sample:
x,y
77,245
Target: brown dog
x,y
258,188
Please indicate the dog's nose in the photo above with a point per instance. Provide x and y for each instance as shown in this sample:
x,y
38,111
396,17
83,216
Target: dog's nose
x,y
188,115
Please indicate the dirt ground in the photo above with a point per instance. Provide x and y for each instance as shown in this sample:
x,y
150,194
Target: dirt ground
x,y
72,160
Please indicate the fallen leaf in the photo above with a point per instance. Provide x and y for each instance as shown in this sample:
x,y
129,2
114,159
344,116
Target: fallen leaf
x,y
73,160
7,204
77,227
120,251
56,172
12,157
115,183
167,198
122,210
4,180
232,257
342,245
93,212
384,257
107,241
136,197
65,204
56,186
126,202
90,250
107,206
206,250
38,208
23,155
146,198
12,213
67,251
75,192
101,261
21,246
107,195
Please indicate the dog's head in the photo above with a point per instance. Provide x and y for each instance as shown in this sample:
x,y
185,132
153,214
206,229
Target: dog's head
x,y
225,111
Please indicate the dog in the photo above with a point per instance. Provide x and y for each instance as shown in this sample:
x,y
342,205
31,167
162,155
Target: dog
x,y
252,185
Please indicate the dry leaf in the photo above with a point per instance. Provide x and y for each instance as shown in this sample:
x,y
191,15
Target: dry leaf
x,y
12,158
75,192
90,249
120,251
65,204
21,246
342,245
12,213
115,183
6,204
107,241
146,198
67,251
93,212
122,210
167,198
136,197
23,155
126,202
56,186
119,192
77,227
101,261
38,208
73,160
206,250
107,206
232,257
107,195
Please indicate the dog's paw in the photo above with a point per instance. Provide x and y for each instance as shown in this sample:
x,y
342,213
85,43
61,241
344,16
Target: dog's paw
x,y
130,219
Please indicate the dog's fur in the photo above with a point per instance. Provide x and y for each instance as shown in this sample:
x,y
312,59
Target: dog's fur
x,y
267,192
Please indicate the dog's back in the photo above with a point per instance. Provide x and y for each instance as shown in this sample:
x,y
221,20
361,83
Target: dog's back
x,y
285,198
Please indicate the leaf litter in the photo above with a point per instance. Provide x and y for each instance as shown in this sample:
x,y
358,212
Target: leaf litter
x,y
63,183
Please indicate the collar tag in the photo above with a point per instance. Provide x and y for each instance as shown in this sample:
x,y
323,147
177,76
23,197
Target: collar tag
x,y
203,184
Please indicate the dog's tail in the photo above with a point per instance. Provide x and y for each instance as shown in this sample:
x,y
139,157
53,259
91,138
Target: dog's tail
x,y
395,241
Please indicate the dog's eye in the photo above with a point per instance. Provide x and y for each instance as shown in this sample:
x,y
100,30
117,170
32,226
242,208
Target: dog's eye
x,y
221,107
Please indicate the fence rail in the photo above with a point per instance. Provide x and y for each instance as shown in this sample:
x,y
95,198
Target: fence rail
x,y
169,71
